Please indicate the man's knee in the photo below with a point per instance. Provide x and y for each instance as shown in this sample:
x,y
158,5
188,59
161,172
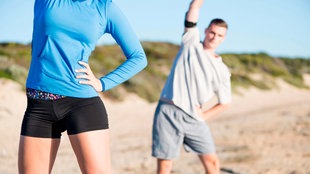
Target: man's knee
x,y
164,166
210,163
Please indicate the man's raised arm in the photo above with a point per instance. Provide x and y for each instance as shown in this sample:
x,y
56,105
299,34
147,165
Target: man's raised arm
x,y
192,14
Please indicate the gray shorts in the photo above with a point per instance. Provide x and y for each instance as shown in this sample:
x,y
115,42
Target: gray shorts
x,y
172,128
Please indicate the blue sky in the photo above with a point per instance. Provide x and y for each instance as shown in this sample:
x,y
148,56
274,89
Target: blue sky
x,y
277,27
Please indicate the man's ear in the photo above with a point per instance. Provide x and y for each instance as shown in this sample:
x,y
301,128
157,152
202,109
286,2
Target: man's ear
x,y
206,30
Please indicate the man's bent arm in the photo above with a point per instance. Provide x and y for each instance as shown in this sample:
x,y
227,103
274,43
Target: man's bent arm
x,y
215,110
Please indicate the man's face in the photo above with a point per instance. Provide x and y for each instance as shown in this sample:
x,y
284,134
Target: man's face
x,y
215,35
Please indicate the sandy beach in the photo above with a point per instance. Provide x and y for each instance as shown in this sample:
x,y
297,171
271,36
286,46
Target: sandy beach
x,y
263,132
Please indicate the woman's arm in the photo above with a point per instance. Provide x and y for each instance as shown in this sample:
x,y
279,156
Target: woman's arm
x,y
120,29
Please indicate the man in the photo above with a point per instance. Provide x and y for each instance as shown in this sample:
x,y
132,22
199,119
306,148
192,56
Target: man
x,y
197,75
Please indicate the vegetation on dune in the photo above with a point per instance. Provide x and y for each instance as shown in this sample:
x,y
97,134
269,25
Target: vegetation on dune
x,y
14,61
259,70
242,66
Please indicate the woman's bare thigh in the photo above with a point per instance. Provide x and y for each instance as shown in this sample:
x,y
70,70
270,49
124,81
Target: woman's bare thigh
x,y
36,155
92,150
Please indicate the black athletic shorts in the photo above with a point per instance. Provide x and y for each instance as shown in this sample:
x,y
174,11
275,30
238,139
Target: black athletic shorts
x,y
49,118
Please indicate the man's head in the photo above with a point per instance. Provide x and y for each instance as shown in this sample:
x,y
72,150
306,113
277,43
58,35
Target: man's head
x,y
215,33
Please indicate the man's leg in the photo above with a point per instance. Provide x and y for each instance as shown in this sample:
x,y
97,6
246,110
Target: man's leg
x,y
210,163
167,136
164,166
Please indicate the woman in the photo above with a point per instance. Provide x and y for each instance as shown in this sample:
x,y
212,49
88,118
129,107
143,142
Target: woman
x,y
62,91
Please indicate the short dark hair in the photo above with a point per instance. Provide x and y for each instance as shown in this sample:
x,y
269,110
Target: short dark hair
x,y
218,22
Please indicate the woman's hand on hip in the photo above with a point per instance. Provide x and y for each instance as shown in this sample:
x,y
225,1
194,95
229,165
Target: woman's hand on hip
x,y
87,77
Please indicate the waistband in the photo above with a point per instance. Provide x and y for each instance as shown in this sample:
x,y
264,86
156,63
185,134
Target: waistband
x,y
42,95
166,101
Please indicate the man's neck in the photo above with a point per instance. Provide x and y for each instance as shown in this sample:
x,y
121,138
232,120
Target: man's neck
x,y
211,52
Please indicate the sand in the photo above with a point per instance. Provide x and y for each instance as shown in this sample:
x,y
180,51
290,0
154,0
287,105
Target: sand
x,y
263,132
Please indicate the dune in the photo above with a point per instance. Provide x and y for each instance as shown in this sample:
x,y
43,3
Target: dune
x,y
262,132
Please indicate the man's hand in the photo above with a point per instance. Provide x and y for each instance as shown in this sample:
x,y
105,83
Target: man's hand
x,y
87,77
199,110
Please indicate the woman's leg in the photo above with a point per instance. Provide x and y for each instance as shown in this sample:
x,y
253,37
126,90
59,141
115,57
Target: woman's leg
x,y
37,155
92,150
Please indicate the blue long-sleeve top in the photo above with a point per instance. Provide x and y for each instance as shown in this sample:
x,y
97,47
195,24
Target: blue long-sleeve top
x,y
66,32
